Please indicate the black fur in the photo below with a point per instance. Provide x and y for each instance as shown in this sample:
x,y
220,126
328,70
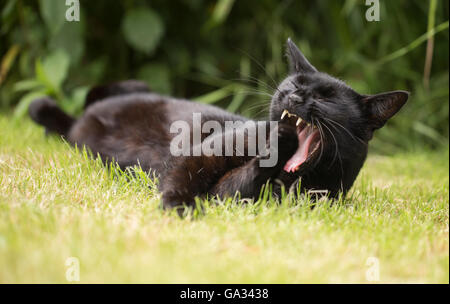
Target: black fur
x,y
44,111
118,88
133,128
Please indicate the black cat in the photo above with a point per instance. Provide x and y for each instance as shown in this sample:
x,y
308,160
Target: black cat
x,y
323,131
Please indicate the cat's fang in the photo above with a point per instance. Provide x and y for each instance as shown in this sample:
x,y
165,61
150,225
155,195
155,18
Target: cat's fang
x,y
285,112
299,121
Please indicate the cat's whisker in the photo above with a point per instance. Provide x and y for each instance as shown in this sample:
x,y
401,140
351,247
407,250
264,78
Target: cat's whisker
x,y
319,127
336,154
346,130
263,114
262,68
253,93
258,82
261,107
257,107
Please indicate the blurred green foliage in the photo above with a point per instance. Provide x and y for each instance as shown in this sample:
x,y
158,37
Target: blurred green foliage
x,y
230,53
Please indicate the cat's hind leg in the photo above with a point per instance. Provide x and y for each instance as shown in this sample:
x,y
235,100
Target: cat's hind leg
x,y
101,92
192,177
248,179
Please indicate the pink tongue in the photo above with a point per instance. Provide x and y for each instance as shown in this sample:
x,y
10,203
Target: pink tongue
x,y
301,154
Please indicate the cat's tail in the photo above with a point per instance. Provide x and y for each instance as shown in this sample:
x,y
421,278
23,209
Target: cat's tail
x,y
46,112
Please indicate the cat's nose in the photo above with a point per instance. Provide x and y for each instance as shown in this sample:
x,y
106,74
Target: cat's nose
x,y
295,99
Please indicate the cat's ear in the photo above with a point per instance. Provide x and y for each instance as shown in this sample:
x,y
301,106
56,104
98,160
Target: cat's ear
x,y
297,61
382,107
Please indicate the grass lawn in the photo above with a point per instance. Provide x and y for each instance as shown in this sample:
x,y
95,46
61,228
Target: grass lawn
x,y
55,204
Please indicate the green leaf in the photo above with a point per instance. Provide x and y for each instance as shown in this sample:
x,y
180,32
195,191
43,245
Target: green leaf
x,y
52,71
208,64
237,101
221,12
70,39
40,73
219,15
143,29
157,76
75,103
27,85
8,8
215,96
22,107
54,14
428,132
94,71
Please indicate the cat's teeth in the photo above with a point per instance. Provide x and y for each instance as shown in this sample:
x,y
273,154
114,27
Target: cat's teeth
x,y
285,112
299,121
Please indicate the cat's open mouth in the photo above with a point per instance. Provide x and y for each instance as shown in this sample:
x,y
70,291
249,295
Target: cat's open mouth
x,y
308,141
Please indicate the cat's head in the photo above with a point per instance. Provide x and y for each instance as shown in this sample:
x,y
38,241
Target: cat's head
x,y
334,123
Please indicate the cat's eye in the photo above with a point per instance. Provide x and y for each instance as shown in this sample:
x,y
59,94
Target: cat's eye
x,y
321,98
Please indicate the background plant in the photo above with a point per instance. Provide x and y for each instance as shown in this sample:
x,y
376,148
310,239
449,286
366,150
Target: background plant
x,y
230,53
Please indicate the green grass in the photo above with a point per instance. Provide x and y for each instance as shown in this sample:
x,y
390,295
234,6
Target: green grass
x,y
55,203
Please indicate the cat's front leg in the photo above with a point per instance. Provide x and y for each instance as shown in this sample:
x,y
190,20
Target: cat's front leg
x,y
249,178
